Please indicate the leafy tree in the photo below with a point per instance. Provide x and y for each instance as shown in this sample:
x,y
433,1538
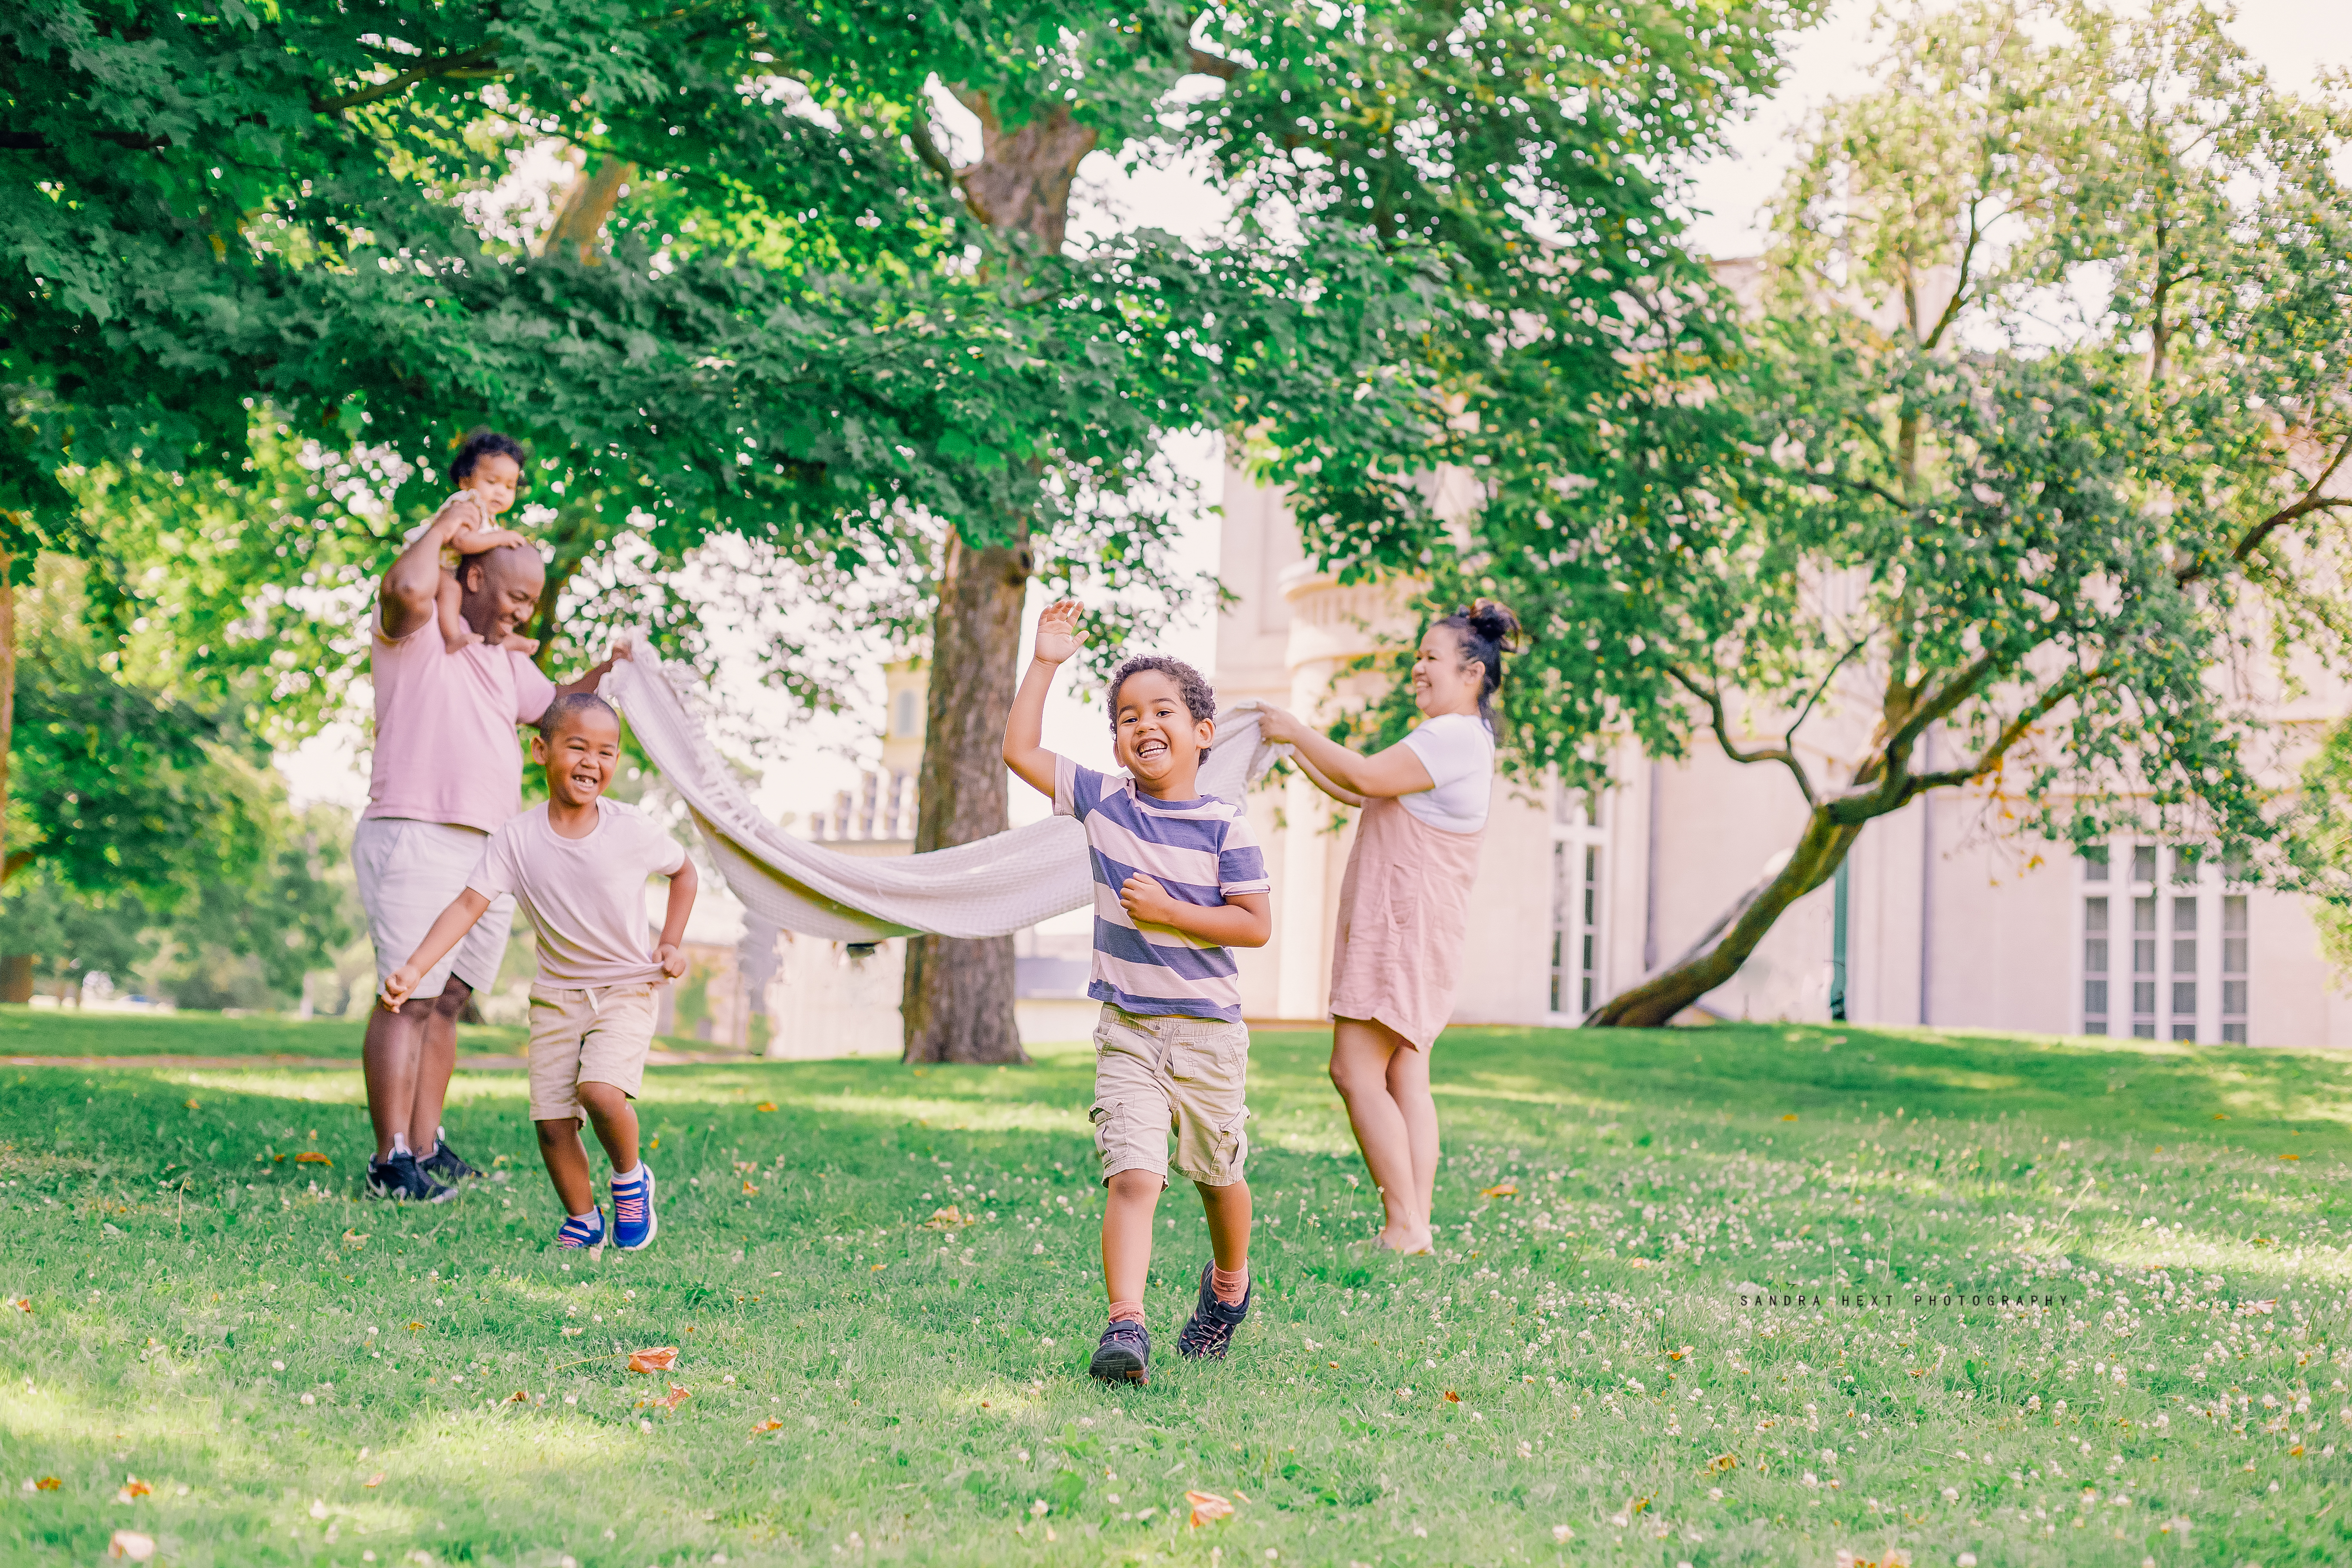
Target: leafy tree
x,y
2027,472
144,813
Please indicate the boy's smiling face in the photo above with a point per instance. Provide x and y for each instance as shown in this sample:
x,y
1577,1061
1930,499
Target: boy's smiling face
x,y
1157,739
579,757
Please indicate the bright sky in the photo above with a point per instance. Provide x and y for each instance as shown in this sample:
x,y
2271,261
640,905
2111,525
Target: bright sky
x,y
805,763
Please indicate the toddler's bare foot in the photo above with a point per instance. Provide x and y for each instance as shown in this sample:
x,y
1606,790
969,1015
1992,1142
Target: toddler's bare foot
x,y
524,645
458,642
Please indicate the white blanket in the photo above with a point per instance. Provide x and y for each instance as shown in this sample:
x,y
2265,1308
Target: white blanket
x,y
991,888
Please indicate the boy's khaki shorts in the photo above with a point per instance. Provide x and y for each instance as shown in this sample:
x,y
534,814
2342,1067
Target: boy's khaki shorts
x,y
586,1037
1155,1073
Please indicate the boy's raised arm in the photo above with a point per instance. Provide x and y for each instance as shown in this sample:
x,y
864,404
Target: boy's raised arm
x,y
1024,728
452,923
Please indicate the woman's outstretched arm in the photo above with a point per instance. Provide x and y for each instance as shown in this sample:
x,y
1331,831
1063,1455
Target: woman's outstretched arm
x,y
1395,771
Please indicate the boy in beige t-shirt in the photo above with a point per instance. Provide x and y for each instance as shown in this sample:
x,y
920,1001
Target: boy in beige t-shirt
x,y
577,866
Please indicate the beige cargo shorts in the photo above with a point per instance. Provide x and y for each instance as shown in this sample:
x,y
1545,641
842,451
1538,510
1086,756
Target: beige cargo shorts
x,y
601,1035
1154,1074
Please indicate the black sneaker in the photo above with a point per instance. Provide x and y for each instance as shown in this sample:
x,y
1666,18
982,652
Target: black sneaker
x,y
1210,1331
1124,1355
401,1177
446,1164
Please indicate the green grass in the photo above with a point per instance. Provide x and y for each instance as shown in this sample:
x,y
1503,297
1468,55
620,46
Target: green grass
x,y
1578,1359
72,1031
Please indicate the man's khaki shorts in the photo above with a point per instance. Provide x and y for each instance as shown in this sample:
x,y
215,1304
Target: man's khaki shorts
x,y
586,1037
1153,1074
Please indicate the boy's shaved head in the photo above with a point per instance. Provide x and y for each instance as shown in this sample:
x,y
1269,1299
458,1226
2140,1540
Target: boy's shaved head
x,y
574,706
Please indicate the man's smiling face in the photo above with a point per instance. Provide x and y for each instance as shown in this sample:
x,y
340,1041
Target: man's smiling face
x,y
500,589
1156,737
579,757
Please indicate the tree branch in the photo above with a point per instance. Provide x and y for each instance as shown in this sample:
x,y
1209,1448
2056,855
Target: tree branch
x,y
2311,501
465,61
1788,740
919,132
1206,64
1960,283
1722,726
2011,733
16,861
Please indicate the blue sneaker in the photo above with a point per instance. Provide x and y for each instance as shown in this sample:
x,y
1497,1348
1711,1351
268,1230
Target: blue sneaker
x,y
580,1232
1211,1329
633,1209
1124,1355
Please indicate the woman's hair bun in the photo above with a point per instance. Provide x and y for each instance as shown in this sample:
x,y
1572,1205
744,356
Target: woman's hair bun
x,y
1494,623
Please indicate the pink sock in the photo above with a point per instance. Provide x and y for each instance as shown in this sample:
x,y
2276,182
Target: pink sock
x,y
1126,1311
1230,1284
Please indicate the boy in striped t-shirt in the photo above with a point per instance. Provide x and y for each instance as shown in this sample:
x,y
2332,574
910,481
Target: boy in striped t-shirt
x,y
1179,879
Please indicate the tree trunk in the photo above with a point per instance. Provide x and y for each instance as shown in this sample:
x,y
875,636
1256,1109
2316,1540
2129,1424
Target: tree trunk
x,y
1716,956
16,977
957,1004
7,705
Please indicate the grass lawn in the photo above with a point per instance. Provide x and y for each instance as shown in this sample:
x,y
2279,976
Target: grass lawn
x,y
1691,1306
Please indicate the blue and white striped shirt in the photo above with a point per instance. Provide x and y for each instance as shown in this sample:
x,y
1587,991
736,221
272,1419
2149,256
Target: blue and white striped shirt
x,y
1201,851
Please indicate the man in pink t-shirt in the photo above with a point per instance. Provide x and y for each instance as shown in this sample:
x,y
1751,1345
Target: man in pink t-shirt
x,y
447,772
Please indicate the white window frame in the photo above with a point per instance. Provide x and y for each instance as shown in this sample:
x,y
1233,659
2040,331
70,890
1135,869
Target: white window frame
x,y
2209,887
1573,833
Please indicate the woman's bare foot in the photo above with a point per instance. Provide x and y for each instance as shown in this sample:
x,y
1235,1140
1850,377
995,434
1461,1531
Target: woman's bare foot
x,y
1411,1244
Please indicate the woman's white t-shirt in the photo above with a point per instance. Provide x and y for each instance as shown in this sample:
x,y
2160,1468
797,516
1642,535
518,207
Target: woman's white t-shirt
x,y
1458,750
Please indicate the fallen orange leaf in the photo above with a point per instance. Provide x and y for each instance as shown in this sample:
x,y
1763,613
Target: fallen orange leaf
x,y
2290,1156
518,1397
49,1483
661,1358
677,1396
1207,1507
770,1424
1452,1397
133,1488
1724,1462
312,1157
375,1480
947,1219
765,1105
750,1188
1790,1117
414,1327
1507,1190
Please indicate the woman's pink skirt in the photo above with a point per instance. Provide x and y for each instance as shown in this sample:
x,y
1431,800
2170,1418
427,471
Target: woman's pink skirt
x,y
1404,913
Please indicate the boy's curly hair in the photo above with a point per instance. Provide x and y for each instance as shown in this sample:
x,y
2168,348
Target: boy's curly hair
x,y
1200,697
570,703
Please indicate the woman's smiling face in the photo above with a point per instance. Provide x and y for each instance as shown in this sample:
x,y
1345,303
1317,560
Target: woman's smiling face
x,y
1443,681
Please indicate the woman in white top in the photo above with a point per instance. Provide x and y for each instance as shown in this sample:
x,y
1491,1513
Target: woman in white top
x,y
1404,903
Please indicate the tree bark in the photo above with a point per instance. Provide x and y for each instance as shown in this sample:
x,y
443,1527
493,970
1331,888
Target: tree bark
x,y
1716,956
8,701
957,1004
588,202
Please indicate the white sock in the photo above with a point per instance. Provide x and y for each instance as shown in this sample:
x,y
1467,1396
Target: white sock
x,y
584,1218
631,1175
440,1135
400,1143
